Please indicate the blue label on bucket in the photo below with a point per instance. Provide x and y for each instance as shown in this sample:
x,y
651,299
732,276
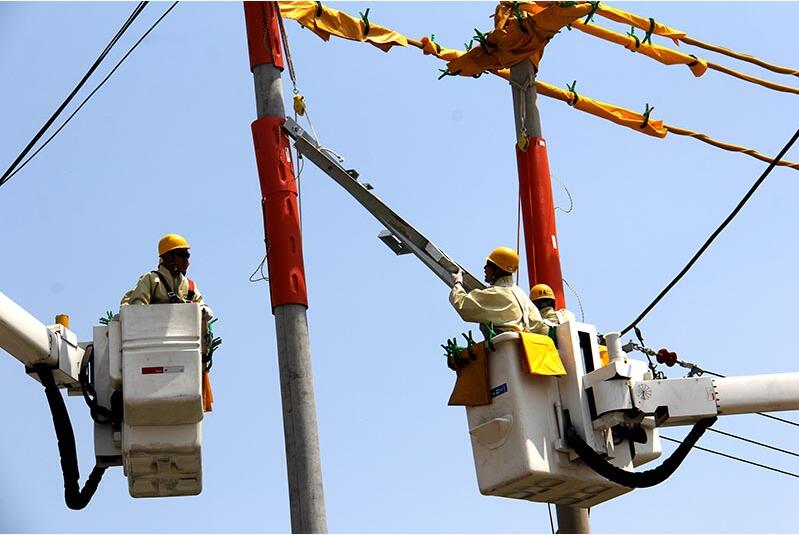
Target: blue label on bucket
x,y
499,390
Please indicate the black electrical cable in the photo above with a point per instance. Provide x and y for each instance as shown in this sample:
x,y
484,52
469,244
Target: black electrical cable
x,y
136,44
735,458
75,497
635,480
755,442
136,12
714,235
783,420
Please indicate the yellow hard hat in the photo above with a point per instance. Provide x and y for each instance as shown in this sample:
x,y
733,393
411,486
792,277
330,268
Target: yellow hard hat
x,y
171,242
505,258
541,291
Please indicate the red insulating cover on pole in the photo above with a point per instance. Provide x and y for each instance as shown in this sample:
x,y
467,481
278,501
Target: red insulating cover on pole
x,y
538,215
263,36
281,213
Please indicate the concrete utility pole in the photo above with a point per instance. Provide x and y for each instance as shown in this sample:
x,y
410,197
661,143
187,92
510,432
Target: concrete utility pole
x,y
286,271
540,233
535,187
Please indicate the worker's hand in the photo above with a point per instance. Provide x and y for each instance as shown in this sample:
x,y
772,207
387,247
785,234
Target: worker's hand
x,y
457,278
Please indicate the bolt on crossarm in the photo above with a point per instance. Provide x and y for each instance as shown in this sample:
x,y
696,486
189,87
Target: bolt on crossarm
x,y
538,216
286,271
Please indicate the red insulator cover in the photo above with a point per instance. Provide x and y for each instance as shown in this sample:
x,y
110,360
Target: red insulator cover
x,y
281,213
538,214
263,35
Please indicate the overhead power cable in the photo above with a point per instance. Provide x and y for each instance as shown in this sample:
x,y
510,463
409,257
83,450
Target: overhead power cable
x,y
728,456
136,12
90,95
755,442
713,236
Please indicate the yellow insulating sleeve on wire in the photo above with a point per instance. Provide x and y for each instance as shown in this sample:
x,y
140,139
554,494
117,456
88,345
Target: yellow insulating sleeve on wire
x,y
334,22
664,55
619,15
512,41
603,110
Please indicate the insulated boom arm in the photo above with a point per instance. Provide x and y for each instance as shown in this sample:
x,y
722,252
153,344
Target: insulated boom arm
x,y
401,237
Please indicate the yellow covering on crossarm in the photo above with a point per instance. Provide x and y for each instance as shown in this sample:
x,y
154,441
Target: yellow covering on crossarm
x,y
512,41
334,22
540,357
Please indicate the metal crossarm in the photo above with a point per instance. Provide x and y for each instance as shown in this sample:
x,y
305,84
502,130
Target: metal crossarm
x,y
408,239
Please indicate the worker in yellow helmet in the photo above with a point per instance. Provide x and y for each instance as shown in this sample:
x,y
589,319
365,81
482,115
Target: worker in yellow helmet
x,y
168,284
503,304
543,298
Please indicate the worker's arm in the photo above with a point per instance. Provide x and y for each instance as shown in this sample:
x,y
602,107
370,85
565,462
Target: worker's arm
x,y
479,306
141,294
537,324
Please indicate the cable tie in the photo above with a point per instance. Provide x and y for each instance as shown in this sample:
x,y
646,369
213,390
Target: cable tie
x,y
482,38
433,40
573,92
319,9
631,33
694,62
365,20
468,46
648,36
590,17
517,12
647,112
445,72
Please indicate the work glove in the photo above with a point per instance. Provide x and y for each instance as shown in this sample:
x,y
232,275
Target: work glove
x,y
457,278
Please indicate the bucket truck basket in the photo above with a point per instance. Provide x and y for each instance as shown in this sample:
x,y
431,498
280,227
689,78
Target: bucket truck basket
x,y
518,439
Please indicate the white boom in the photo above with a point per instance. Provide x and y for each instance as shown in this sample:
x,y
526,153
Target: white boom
x,y
23,336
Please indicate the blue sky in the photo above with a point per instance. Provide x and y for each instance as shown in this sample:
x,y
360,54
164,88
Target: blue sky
x,y
165,146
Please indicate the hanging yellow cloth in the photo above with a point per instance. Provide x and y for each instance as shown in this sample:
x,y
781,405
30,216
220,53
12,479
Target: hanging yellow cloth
x,y
513,40
539,355
325,21
208,396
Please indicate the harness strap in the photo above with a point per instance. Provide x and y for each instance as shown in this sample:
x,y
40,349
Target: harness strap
x,y
192,291
173,297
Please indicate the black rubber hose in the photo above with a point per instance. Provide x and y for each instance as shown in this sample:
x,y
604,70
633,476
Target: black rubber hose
x,y
648,478
74,497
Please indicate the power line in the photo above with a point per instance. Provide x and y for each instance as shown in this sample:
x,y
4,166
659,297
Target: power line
x,y
751,441
734,458
128,53
136,12
714,235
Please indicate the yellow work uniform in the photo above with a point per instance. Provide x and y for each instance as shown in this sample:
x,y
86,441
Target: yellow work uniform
x,y
556,317
150,290
504,304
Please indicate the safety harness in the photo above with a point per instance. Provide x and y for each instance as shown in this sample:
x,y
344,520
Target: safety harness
x,y
173,297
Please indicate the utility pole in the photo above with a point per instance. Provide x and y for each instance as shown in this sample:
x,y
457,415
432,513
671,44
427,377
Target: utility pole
x,y
538,215
535,187
286,271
